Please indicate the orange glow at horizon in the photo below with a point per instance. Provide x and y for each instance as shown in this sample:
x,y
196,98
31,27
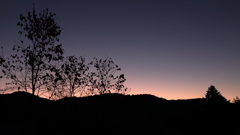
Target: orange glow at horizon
x,y
174,91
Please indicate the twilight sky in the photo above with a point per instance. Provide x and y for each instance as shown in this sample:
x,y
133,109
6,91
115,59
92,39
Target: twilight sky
x,y
169,48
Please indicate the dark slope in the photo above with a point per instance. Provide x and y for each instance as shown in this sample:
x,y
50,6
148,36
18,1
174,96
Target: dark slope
x,y
115,114
20,110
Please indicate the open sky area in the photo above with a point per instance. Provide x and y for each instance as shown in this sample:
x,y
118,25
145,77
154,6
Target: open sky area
x,y
173,49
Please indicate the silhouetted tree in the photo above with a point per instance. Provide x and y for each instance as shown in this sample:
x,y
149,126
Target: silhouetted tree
x,y
30,66
103,79
213,95
236,100
70,79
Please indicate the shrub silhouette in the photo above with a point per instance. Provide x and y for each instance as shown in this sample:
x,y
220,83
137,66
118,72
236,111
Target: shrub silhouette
x,y
236,100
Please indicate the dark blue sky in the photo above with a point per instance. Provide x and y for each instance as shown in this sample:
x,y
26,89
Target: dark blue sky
x,y
172,49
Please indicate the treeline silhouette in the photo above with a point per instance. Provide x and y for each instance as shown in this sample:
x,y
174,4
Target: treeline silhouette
x,y
24,113
40,68
38,64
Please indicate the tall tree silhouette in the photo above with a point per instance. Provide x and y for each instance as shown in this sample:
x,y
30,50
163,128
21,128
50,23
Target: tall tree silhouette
x,y
30,66
213,95
104,80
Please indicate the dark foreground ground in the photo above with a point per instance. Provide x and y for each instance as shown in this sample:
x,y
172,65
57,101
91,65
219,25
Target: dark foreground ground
x,y
116,114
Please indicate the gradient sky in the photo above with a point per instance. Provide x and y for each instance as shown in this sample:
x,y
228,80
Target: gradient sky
x,y
169,48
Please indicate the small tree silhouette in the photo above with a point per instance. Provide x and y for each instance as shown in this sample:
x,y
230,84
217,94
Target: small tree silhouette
x,y
103,79
236,100
70,78
213,95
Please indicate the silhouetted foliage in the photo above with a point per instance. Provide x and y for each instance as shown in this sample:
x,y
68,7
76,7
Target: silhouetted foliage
x,y
103,80
39,67
236,100
29,68
70,78
6,89
213,95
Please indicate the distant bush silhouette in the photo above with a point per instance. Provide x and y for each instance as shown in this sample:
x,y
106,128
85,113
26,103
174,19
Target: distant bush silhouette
x,y
236,100
214,96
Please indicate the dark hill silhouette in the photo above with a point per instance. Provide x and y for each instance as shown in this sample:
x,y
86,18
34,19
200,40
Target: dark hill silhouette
x,y
23,113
